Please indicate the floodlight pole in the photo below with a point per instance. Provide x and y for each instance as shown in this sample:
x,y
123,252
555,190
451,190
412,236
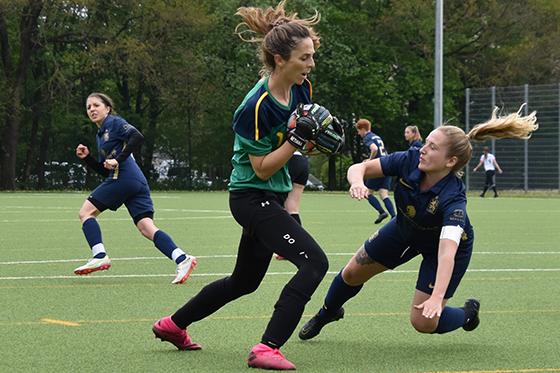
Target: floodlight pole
x,y
438,81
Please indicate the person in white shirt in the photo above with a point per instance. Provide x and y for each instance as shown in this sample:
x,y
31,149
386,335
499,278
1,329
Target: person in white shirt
x,y
490,166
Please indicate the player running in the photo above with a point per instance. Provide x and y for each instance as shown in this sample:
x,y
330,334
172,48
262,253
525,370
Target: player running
x,y
124,184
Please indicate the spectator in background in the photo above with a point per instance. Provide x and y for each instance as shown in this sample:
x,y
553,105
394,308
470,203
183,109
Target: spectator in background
x,y
490,166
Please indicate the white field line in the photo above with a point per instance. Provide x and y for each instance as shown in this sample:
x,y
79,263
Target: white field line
x,y
290,273
226,256
113,219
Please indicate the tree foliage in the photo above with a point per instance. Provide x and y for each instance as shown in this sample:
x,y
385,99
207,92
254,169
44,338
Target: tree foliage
x,y
177,72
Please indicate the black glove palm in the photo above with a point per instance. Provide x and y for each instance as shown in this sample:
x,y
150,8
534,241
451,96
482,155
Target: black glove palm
x,y
306,123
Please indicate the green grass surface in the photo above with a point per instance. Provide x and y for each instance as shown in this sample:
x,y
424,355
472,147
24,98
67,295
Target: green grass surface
x,y
107,316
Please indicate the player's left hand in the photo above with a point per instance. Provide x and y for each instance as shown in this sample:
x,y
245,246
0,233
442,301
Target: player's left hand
x,y
110,164
430,308
358,191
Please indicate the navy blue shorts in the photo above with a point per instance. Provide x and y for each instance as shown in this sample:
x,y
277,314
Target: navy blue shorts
x,y
298,167
389,247
379,183
134,194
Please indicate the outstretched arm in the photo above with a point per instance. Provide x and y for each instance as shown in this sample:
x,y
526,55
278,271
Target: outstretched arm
x,y
356,174
446,261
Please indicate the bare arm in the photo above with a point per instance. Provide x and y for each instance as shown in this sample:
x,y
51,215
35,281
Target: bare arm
x,y
356,174
373,151
497,166
267,165
446,261
477,166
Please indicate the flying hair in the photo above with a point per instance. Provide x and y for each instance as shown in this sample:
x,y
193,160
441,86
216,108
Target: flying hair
x,y
277,32
512,126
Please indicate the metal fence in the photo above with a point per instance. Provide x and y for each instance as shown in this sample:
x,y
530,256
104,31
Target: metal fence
x,y
526,164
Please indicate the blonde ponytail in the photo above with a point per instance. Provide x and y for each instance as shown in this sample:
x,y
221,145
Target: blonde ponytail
x,y
512,126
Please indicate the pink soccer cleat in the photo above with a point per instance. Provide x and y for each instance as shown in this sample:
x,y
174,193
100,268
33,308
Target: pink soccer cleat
x,y
166,330
265,357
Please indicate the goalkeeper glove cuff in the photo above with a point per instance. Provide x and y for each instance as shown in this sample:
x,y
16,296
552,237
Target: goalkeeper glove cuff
x,y
296,140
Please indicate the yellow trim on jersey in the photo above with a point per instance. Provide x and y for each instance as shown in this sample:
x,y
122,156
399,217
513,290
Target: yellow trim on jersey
x,y
257,115
310,88
405,184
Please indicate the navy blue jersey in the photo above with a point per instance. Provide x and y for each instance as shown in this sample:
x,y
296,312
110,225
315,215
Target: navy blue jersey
x,y
260,126
372,138
422,214
416,144
112,137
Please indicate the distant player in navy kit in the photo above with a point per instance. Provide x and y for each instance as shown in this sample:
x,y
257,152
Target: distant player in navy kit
x,y
490,166
432,221
413,137
124,184
373,148
259,184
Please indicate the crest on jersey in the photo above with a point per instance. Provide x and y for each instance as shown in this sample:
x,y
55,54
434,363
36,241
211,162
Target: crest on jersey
x,y
433,205
410,211
106,136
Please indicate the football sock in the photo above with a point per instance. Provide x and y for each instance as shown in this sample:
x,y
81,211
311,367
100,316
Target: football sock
x,y
389,206
339,292
451,319
92,231
375,203
296,217
165,244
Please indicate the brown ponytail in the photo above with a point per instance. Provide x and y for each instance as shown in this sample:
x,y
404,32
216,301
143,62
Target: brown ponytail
x,y
277,32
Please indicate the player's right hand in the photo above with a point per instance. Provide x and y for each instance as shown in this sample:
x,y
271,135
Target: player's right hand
x,y
358,191
82,151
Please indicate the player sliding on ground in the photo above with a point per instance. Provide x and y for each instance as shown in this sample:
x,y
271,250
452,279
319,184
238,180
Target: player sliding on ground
x,y
432,221
124,184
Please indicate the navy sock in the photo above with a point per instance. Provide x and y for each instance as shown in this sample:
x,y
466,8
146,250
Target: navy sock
x,y
451,319
92,231
165,244
389,206
296,217
339,292
375,203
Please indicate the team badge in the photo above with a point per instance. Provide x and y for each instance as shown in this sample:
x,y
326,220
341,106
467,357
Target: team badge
x,y
458,215
410,211
464,236
433,205
106,135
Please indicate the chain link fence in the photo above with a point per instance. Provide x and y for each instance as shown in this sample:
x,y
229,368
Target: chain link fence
x,y
527,164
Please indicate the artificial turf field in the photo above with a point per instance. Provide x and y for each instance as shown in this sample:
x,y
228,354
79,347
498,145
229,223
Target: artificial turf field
x,y
54,321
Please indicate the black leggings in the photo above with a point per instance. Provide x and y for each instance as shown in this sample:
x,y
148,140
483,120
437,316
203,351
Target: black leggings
x,y
490,182
267,229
